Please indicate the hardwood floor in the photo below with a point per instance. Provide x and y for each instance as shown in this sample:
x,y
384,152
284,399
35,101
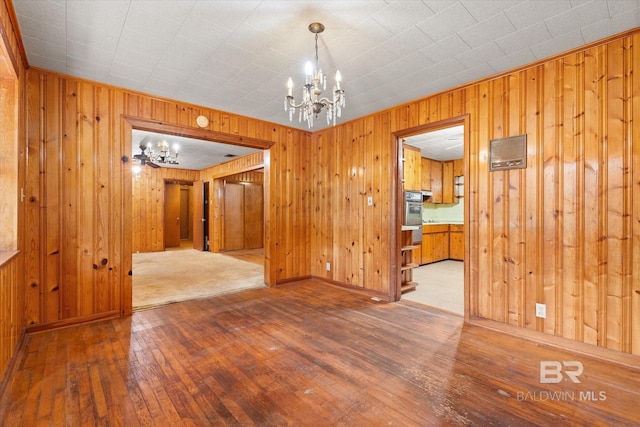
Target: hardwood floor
x,y
304,354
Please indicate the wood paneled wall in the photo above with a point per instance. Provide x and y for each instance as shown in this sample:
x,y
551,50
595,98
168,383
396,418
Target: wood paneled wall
x,y
11,326
79,197
242,167
352,162
148,195
12,129
564,232
148,205
251,177
246,163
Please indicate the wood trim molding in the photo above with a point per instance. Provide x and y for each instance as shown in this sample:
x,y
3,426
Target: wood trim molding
x,y
345,286
208,135
73,321
16,30
10,372
627,359
292,280
7,44
6,256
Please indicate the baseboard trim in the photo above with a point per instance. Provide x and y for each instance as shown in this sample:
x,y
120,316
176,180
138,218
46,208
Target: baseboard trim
x,y
74,321
369,292
10,372
292,280
626,359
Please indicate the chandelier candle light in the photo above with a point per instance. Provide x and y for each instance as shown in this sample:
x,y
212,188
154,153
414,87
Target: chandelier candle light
x,y
165,154
312,100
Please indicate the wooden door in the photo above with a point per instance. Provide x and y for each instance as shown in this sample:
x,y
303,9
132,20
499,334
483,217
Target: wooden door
x,y
253,216
458,167
185,213
233,216
456,243
171,215
427,248
436,181
441,246
425,165
412,168
198,216
447,182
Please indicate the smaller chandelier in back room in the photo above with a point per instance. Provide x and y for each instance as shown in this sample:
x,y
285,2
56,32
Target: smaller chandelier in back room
x,y
312,102
162,152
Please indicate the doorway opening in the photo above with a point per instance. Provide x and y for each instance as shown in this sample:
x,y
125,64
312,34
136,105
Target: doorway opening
x,y
440,251
177,227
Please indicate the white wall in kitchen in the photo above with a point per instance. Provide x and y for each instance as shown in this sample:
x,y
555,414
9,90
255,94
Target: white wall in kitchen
x,y
443,212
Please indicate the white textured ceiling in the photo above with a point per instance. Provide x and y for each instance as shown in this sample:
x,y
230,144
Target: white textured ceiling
x,y
193,154
236,56
441,144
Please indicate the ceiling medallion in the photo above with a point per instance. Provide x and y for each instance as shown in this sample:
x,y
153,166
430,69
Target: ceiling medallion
x,y
312,102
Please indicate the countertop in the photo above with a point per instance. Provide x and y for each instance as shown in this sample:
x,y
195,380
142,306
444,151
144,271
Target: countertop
x,y
443,222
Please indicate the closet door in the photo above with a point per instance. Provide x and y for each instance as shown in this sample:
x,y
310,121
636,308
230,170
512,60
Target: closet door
x,y
253,216
171,215
199,219
233,217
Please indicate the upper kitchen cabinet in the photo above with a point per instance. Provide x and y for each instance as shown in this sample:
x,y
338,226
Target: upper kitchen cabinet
x,y
447,183
458,167
426,173
436,181
458,179
412,168
440,178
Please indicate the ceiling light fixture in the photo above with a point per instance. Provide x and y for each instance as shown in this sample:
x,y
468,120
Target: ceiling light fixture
x,y
315,82
162,154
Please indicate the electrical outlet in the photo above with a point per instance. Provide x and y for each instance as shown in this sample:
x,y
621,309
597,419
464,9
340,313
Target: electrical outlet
x,y
370,201
328,266
541,310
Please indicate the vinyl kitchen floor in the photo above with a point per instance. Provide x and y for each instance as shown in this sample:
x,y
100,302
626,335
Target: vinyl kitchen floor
x,y
440,285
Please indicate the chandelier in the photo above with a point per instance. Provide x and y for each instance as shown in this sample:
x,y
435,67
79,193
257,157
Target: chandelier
x,y
161,153
312,102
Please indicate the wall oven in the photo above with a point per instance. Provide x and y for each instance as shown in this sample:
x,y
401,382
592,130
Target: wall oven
x,y
413,213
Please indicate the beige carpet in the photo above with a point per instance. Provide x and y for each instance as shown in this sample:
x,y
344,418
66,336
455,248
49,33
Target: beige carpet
x,y
166,277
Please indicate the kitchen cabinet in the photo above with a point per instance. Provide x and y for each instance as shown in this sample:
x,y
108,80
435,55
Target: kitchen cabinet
x,y
436,181
435,243
458,167
426,173
458,179
439,177
456,242
447,183
411,168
